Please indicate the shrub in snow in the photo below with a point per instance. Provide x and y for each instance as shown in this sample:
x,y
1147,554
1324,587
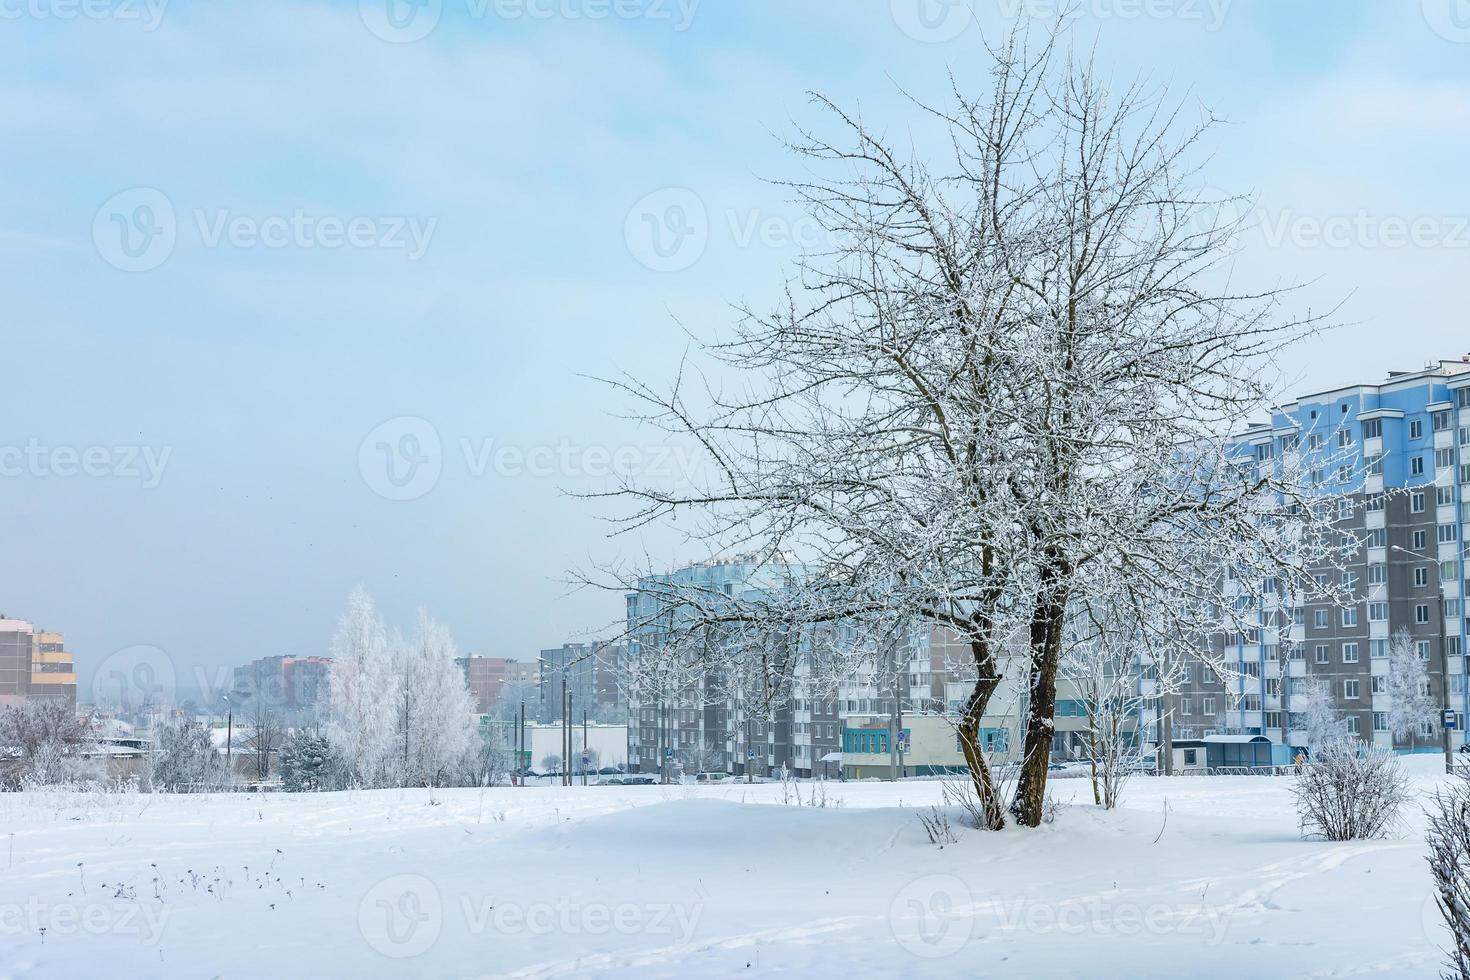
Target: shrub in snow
x,y
936,826
1449,862
1350,791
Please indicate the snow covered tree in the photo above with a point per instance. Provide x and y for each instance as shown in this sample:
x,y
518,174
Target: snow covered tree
x,y
1007,386
1316,716
1411,707
185,760
434,709
46,737
361,701
1102,664
309,763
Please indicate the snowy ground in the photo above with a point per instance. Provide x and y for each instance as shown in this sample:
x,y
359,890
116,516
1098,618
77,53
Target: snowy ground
x,y
701,881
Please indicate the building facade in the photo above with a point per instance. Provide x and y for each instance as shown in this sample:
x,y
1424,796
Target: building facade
x,y
34,665
590,673
292,688
1393,460
922,682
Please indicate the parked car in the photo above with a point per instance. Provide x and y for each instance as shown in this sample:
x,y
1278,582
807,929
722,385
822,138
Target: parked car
x,y
609,771
639,779
615,780
712,777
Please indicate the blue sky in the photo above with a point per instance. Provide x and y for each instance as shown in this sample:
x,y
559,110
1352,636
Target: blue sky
x,y
495,173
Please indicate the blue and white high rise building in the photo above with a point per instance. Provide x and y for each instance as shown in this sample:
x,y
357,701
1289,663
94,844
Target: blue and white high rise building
x,y
1396,456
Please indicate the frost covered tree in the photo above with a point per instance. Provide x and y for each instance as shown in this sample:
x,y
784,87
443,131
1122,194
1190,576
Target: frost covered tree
x,y
309,763
1102,663
361,700
46,737
1316,716
1006,385
433,707
1411,707
185,760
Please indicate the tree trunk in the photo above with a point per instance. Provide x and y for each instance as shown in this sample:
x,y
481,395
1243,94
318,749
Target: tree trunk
x,y
1046,649
986,682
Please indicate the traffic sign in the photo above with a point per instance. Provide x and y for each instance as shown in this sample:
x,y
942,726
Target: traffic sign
x,y
1451,722
668,753
750,753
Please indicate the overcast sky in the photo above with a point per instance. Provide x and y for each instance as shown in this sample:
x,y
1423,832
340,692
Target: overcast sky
x,y
299,296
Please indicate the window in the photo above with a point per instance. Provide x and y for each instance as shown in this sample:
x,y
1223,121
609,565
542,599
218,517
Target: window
x,y
1444,459
1345,473
1440,420
1378,538
1350,616
1350,689
1416,429
1374,503
1344,437
1375,464
1349,653
1186,706
1376,574
1263,451
1373,429
1422,646
1444,496
1416,502
1319,619
1314,441
1380,721
1207,706
1190,757
1448,533
1421,613
1449,570
1462,398
1350,581
1378,649
1377,612
1354,726
1322,653
1421,577
1379,684
1186,673
1416,465
1421,540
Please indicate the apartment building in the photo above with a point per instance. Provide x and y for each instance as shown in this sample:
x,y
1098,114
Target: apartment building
x,y
590,673
925,679
292,688
34,664
1399,476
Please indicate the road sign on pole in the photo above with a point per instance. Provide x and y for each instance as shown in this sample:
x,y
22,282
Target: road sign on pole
x,y
1450,720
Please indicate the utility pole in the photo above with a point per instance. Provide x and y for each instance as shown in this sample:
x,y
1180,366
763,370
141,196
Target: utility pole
x,y
584,746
